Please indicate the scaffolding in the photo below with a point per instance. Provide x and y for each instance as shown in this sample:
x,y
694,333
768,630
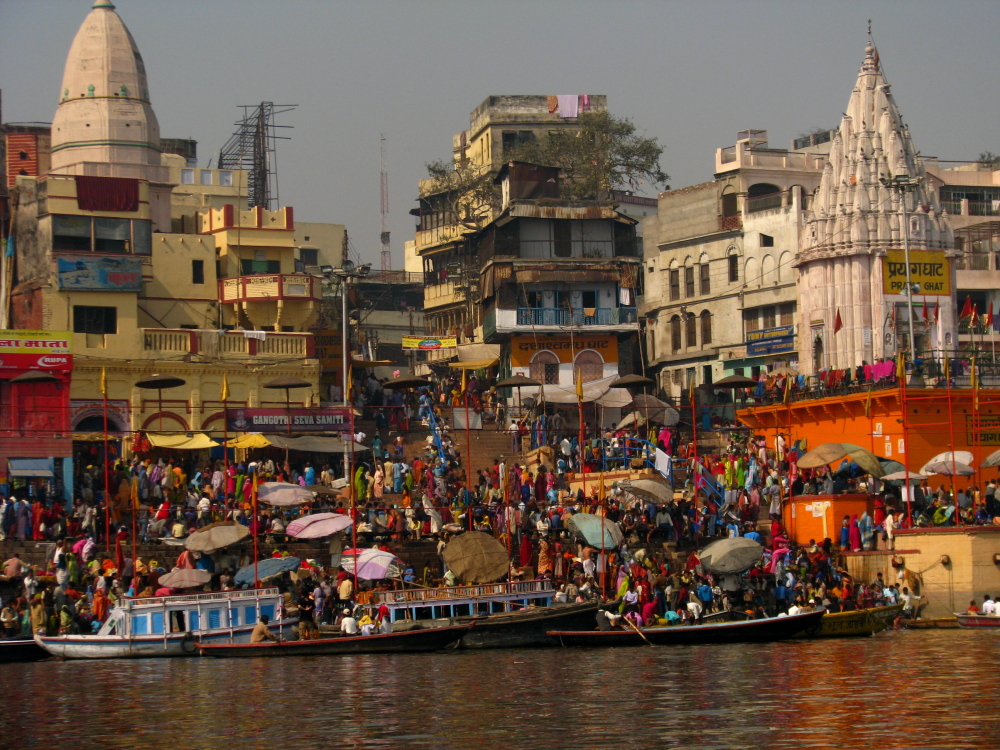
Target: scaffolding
x,y
252,148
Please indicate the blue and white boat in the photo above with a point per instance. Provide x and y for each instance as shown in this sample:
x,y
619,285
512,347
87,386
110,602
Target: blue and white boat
x,y
174,625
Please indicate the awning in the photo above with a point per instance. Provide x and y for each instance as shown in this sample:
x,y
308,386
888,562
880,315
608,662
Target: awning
x,y
30,467
183,441
250,440
314,443
596,391
475,352
476,364
370,363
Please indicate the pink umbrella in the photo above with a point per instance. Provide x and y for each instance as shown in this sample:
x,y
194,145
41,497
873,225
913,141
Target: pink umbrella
x,y
318,525
373,564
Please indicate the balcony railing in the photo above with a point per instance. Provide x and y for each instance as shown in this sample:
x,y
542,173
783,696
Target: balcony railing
x,y
952,207
574,249
269,286
565,317
765,202
213,344
730,223
982,208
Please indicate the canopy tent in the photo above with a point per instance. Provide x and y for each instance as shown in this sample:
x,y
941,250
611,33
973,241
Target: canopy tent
x,y
474,364
316,443
183,441
30,467
249,440
283,493
828,453
596,391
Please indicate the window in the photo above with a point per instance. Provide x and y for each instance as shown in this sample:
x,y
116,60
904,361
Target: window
x,y
206,177
309,256
766,240
751,320
142,237
734,268
787,313
770,321
689,281
588,298
508,139
675,334
706,327
83,234
691,331
24,155
706,287
187,177
563,239
111,235
197,272
545,368
71,233
87,319
675,284
225,178
251,267
729,204
590,365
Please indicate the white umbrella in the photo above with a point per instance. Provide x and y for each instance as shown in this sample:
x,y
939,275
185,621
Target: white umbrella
x,y
960,457
948,469
283,493
185,578
903,476
318,525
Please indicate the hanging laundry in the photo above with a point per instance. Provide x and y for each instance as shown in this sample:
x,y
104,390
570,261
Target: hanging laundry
x,y
258,335
569,105
625,297
552,102
584,102
996,205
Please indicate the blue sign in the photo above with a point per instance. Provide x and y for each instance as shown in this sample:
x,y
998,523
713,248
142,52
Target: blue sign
x,y
100,273
770,341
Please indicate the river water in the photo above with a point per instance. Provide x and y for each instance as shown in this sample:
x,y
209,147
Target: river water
x,y
897,690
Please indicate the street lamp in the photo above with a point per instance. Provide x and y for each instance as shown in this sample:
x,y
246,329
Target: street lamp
x,y
902,184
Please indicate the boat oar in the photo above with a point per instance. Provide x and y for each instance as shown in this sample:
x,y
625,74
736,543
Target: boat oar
x,y
641,634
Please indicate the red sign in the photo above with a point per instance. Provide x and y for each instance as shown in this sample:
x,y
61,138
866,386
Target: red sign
x,y
330,419
36,361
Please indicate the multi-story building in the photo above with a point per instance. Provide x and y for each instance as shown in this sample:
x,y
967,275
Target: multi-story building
x,y
720,289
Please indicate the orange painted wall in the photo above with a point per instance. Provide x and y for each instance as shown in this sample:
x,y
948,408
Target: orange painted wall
x,y
820,516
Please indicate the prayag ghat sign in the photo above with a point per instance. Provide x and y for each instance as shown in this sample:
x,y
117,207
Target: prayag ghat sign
x,y
524,348
928,268
330,419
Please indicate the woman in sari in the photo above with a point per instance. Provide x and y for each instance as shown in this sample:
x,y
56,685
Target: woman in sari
x,y
544,558
854,534
37,513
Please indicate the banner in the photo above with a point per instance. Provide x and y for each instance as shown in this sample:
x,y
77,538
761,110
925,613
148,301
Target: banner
x,y
419,343
36,350
524,348
101,273
928,268
770,341
328,419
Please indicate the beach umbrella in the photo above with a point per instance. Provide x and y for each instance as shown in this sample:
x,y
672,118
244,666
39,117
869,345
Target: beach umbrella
x,y
590,528
372,564
947,469
735,381
649,489
216,536
268,568
318,525
903,476
250,440
628,381
406,381
828,453
158,383
517,381
185,578
476,557
734,555
630,419
991,460
655,410
283,493
958,457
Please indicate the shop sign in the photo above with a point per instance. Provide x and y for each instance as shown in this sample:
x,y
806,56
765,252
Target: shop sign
x,y
770,341
416,343
329,419
928,268
100,274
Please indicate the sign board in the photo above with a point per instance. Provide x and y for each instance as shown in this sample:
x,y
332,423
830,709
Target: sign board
x,y
100,273
329,347
418,343
928,268
524,348
328,419
36,350
988,429
770,341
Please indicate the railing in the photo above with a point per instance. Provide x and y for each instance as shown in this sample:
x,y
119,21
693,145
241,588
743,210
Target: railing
x,y
765,202
226,344
213,596
118,169
730,223
982,208
395,277
569,249
513,588
952,207
565,316
268,286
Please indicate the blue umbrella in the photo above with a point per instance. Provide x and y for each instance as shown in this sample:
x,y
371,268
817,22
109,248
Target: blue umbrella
x,y
589,526
269,568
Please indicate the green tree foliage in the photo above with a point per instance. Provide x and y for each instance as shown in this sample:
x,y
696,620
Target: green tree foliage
x,y
989,160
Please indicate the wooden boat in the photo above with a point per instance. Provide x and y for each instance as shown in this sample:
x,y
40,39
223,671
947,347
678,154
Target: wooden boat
x,y
966,620
934,623
451,602
173,625
748,631
411,641
527,627
24,649
860,622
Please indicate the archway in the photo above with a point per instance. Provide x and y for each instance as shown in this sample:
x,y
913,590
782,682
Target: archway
x,y
590,365
545,368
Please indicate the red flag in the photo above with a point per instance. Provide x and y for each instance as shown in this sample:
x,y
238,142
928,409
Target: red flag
x,y
968,309
988,318
937,310
838,323
926,312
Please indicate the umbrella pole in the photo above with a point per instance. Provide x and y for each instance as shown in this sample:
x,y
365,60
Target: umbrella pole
x,y
288,416
352,501
951,440
468,459
256,528
107,480
906,453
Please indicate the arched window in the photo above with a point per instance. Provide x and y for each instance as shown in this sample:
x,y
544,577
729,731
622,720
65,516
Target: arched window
x,y
706,327
692,330
752,274
767,273
590,365
545,368
675,333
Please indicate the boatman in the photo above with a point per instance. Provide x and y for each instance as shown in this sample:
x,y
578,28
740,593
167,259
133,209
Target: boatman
x,y
261,632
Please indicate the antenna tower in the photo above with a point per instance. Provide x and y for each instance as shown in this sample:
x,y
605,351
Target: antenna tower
x,y
252,148
384,179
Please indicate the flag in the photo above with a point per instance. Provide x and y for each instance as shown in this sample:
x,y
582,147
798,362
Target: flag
x,y
838,323
974,376
901,367
134,493
9,252
465,381
937,311
988,317
104,382
225,387
868,401
926,312
968,309
579,386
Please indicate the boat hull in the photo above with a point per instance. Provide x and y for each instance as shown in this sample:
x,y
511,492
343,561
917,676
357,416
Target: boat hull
x,y
411,641
21,650
142,647
528,628
749,631
978,621
857,624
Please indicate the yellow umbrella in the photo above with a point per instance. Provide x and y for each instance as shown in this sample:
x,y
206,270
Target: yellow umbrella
x,y
249,440
828,453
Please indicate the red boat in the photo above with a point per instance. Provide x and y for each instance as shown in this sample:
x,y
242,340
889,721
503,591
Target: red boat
x,y
971,620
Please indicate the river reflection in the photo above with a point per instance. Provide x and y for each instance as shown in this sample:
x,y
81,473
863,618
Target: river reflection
x,y
908,689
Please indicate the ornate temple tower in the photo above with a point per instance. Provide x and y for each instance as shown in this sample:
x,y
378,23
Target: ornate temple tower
x,y
855,219
104,125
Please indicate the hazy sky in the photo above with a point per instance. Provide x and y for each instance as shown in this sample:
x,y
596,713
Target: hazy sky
x,y
689,73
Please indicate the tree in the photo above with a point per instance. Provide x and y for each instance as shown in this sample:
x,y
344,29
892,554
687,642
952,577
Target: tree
x,y
989,160
465,193
603,154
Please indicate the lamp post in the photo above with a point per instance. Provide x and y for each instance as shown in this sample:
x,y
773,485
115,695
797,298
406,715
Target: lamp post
x,y
902,184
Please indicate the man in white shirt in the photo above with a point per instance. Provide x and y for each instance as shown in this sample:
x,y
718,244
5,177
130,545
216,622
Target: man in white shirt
x,y
908,599
989,606
348,625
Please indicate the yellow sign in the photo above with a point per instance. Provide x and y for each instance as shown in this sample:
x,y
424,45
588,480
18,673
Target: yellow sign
x,y
928,268
524,348
35,342
425,343
329,348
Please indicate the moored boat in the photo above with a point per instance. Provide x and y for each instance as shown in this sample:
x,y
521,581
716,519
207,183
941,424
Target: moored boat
x,y
173,625
410,641
859,622
747,631
22,649
970,620
527,627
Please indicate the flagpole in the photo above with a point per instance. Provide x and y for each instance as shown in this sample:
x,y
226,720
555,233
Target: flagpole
x,y
468,450
256,528
107,481
225,430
